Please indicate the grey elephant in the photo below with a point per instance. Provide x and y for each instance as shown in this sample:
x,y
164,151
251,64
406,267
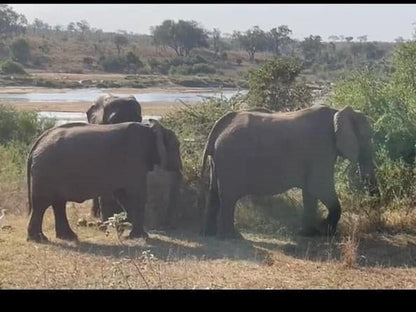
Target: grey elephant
x,y
110,109
80,161
264,153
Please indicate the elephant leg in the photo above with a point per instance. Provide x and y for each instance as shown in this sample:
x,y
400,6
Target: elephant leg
x,y
174,186
62,228
330,200
95,209
34,230
226,228
309,219
212,208
134,202
228,201
108,206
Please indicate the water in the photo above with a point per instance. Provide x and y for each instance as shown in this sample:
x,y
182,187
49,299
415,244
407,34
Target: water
x,y
90,95
65,117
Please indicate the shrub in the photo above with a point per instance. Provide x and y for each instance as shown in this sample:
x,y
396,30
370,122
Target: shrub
x,y
389,101
10,67
274,86
20,50
192,124
203,69
113,64
22,127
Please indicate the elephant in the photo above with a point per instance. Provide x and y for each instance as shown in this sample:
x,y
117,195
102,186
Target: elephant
x,y
109,109
259,152
80,161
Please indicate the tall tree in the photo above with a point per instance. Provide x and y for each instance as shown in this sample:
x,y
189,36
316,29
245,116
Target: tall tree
x,y
120,41
84,27
182,36
252,41
311,47
278,37
216,41
11,23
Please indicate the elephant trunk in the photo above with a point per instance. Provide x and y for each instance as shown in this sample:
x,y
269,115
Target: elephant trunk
x,y
367,173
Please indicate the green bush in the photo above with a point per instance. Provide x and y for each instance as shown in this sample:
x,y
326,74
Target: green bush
x,y
274,86
21,127
114,64
20,50
389,101
10,67
192,124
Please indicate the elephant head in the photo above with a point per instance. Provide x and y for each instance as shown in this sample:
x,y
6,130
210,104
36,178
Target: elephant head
x,y
110,109
168,148
353,141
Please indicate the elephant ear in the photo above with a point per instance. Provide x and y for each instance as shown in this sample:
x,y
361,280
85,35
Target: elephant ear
x,y
160,144
95,114
345,136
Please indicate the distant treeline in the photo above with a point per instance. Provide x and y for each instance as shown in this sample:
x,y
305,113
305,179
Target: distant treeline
x,y
78,47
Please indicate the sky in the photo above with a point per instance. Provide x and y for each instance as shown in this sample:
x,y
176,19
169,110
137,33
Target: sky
x,y
380,22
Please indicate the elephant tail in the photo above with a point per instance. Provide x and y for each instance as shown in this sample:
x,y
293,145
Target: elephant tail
x,y
215,132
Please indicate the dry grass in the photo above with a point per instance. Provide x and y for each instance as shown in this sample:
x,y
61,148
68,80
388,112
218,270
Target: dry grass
x,y
184,260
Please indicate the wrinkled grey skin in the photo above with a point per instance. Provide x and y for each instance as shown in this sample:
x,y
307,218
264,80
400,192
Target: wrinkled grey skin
x,y
79,161
262,153
110,109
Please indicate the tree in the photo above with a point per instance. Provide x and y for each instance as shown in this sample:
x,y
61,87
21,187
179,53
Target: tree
x,y
133,62
11,23
20,50
399,39
39,25
362,38
333,38
120,41
274,86
215,41
252,41
71,27
278,37
311,47
182,36
84,27
349,39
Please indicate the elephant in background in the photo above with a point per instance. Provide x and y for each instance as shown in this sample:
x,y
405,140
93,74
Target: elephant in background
x,y
80,161
110,109
259,152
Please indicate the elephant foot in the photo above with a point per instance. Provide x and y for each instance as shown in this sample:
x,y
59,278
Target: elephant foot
x,y
327,229
138,234
234,234
37,238
309,231
209,231
69,236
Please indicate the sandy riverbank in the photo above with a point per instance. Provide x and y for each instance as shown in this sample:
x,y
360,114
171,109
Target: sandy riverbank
x,y
148,108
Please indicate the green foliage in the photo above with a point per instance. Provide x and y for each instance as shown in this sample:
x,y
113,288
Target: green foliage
x,y
192,124
21,127
10,67
11,23
274,86
182,36
390,105
252,41
20,50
